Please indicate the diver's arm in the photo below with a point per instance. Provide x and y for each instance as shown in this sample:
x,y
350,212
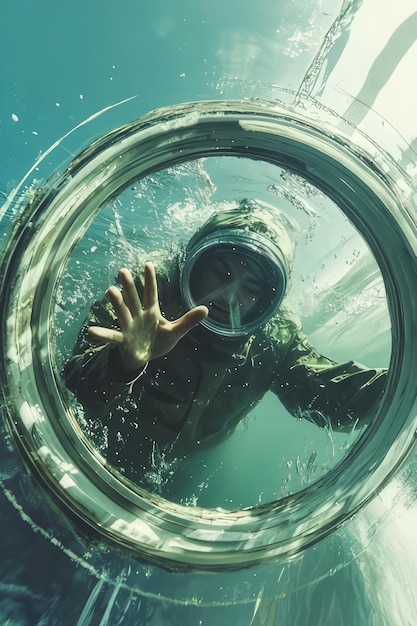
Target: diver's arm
x,y
99,374
314,387
93,373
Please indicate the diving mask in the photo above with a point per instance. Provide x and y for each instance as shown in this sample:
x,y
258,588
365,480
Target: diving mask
x,y
240,276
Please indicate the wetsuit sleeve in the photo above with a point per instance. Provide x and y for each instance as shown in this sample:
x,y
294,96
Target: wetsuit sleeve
x,y
313,387
90,373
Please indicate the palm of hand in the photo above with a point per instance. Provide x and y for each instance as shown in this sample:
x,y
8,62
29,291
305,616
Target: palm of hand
x,y
144,333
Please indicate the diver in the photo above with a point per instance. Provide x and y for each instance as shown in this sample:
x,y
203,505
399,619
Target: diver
x,y
180,363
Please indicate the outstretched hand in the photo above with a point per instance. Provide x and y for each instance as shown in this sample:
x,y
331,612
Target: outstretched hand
x,y
144,333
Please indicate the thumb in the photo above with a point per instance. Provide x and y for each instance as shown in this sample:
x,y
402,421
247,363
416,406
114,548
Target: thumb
x,y
190,319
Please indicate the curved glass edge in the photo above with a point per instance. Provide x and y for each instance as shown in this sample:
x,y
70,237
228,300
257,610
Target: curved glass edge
x,y
221,538
360,546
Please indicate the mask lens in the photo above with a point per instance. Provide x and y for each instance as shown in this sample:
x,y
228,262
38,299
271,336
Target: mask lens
x,y
239,287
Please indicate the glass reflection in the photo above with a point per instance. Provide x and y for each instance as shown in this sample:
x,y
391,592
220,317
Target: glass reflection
x,y
174,365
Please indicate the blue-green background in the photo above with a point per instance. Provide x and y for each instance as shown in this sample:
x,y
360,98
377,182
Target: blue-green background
x,y
61,63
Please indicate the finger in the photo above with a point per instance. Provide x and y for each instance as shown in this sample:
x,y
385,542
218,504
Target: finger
x,y
123,314
191,319
99,333
130,292
150,292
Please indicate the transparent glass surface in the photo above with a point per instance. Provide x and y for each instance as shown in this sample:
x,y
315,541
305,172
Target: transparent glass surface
x,y
73,73
336,289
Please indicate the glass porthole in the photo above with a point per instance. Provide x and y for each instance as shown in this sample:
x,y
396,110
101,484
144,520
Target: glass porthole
x,y
277,484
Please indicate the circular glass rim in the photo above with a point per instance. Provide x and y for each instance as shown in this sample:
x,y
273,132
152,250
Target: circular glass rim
x,y
158,531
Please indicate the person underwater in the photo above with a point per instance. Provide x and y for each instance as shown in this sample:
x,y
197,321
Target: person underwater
x,y
181,362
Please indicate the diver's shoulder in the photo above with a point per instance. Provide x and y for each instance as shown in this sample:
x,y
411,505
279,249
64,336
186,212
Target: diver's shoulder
x,y
285,319
283,329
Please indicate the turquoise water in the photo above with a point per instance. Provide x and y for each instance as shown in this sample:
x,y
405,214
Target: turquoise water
x,y
66,63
